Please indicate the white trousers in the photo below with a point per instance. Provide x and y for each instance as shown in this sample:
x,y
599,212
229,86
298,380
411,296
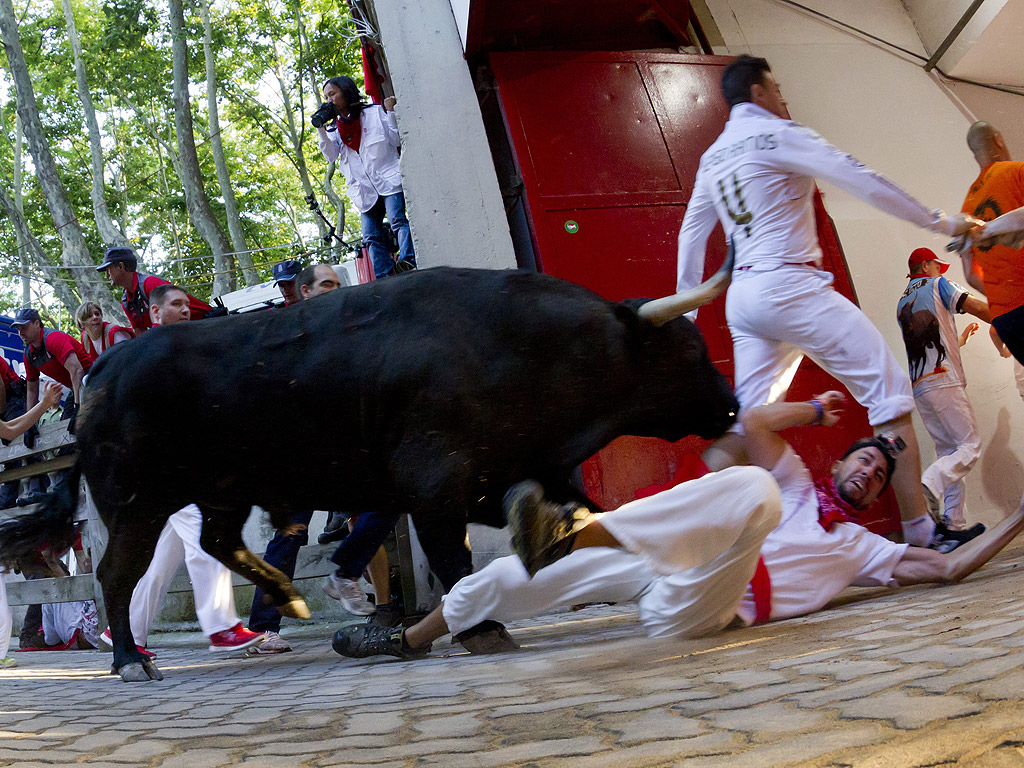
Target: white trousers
x,y
776,317
5,619
692,551
949,419
60,620
211,580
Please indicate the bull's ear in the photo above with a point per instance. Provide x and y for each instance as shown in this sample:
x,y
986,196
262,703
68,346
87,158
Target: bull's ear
x,y
626,313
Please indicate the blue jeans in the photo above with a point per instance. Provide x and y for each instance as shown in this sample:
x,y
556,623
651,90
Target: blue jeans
x,y
372,224
358,548
282,552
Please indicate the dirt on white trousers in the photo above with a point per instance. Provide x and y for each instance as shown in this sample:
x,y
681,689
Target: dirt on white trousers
x,y
692,551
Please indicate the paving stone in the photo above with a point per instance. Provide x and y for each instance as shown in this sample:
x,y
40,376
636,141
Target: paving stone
x,y
906,710
843,669
773,718
950,655
742,679
198,758
658,725
138,751
1005,687
584,745
548,706
749,698
971,673
451,726
861,687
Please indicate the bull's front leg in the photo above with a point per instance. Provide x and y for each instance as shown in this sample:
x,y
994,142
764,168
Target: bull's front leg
x,y
222,538
125,561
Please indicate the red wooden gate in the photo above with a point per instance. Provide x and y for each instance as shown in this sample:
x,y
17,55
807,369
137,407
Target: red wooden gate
x,y
607,145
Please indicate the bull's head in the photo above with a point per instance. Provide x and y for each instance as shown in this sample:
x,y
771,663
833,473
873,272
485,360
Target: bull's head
x,y
660,311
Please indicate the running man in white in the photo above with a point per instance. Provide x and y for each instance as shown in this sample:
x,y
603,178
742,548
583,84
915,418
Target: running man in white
x,y
739,543
758,180
925,314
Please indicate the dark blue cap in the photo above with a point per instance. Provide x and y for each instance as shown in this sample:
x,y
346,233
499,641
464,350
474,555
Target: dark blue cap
x,y
286,271
25,316
115,254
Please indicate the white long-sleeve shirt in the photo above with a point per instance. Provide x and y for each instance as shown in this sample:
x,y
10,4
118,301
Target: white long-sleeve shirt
x,y
373,170
758,180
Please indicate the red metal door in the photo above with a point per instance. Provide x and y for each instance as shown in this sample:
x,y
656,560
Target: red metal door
x,y
607,145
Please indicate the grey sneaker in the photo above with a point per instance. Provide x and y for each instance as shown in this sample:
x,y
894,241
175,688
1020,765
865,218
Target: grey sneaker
x,y
352,597
387,615
273,644
362,640
542,531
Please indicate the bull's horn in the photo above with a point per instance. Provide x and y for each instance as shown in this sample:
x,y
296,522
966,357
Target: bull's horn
x,y
660,311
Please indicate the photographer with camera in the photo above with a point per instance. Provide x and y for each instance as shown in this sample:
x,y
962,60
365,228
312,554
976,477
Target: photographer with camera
x,y
363,140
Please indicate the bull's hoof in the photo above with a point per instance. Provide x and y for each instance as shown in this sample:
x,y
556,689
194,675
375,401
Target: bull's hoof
x,y
296,609
140,672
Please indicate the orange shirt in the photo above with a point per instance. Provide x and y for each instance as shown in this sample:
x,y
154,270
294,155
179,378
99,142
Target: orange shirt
x,y
998,189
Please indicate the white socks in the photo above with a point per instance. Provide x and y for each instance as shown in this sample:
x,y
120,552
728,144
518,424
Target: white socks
x,y
919,531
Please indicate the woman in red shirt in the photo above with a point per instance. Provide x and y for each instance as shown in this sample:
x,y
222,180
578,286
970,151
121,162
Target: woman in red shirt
x,y
98,335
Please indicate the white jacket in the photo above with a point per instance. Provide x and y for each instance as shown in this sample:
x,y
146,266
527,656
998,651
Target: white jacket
x,y
758,180
373,170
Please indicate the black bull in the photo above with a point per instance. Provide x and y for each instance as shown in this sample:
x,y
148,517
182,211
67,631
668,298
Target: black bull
x,y
430,393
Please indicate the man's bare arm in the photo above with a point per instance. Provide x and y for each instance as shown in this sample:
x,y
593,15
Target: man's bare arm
x,y
761,425
926,566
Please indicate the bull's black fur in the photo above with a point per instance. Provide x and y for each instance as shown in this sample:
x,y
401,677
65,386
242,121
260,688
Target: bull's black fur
x,y
429,393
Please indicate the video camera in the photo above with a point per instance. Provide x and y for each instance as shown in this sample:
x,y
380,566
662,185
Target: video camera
x,y
324,114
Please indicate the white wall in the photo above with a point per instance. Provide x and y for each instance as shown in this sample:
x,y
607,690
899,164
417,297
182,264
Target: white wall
x,y
892,116
934,19
451,188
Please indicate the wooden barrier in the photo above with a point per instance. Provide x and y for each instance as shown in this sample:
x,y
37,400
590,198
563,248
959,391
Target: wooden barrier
x,y
313,560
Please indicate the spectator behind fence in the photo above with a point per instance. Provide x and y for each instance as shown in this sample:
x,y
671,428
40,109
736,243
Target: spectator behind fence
x,y
285,273
10,428
98,335
63,359
316,279
363,140
120,265
12,405
179,541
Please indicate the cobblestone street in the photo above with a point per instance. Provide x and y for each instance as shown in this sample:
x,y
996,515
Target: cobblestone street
x,y
921,677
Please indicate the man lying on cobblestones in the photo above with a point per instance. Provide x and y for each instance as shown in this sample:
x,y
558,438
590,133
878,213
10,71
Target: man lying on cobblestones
x,y
742,545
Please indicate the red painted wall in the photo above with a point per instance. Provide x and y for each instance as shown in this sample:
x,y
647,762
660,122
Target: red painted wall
x,y
607,145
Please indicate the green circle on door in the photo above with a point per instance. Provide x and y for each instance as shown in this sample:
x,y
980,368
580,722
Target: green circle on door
x,y
572,227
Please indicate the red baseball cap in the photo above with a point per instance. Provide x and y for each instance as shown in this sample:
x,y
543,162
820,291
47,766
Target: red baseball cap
x,y
920,256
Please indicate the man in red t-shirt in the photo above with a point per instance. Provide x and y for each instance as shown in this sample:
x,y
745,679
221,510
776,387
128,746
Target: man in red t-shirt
x,y
120,266
54,353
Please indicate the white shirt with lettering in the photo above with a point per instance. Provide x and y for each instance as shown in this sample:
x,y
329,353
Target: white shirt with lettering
x,y
758,180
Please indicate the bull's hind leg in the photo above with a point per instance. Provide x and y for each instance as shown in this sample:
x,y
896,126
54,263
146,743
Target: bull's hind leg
x,y
129,551
222,538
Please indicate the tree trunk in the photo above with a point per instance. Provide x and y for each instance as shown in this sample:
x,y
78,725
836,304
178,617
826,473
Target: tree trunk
x,y
339,210
295,135
196,201
19,206
32,253
75,253
109,231
223,178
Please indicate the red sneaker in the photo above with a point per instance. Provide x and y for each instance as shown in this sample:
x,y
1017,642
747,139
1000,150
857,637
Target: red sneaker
x,y
237,638
106,640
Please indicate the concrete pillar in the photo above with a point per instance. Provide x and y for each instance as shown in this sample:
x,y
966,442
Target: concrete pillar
x,y
451,189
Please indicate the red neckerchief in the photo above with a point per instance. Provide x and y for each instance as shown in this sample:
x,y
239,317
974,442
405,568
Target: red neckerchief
x,y
831,506
350,133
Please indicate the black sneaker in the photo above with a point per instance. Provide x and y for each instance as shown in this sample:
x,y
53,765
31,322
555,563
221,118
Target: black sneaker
x,y
388,615
362,640
945,540
486,637
542,531
335,530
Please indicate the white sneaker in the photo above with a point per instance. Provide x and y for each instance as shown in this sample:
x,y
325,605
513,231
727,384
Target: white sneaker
x,y
352,597
273,644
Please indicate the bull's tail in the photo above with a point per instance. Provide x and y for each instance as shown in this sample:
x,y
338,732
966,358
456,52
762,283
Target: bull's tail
x,y
52,524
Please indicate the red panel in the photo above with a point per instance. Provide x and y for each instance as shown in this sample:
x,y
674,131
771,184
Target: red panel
x,y
608,146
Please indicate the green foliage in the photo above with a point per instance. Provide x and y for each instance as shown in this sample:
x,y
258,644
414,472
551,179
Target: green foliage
x,y
266,51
